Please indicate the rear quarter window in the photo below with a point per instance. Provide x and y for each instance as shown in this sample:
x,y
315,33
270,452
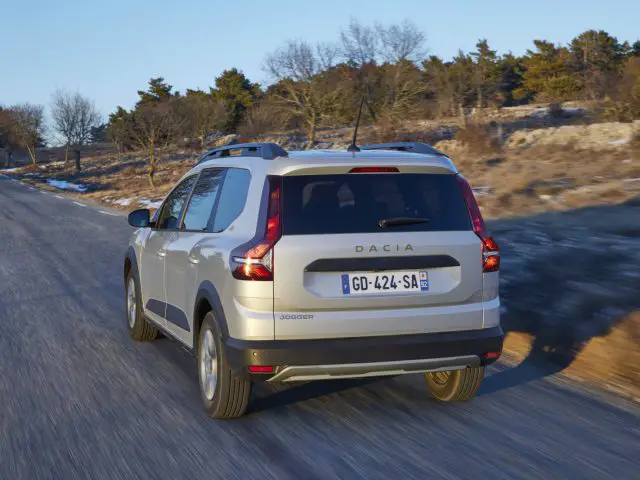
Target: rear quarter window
x,y
232,198
355,203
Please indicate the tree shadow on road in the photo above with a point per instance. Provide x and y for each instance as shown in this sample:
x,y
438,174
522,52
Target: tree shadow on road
x,y
543,361
567,278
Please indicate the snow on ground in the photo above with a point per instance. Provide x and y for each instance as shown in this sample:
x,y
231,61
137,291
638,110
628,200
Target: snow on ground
x,y
125,202
622,141
150,203
484,190
10,170
62,185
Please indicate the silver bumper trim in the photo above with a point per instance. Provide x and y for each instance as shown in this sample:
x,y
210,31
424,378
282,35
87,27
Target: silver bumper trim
x,y
300,373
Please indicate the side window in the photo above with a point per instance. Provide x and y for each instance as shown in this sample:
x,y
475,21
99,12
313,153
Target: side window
x,y
202,200
169,218
232,198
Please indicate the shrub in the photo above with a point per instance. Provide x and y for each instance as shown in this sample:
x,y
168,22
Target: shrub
x,y
478,138
261,120
555,110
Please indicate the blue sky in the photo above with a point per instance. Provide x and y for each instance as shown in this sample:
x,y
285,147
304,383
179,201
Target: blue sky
x,y
109,49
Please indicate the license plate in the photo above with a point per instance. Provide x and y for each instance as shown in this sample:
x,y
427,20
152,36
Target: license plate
x,y
384,282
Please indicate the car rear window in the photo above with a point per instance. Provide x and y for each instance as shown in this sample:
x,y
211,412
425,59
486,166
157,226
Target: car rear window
x,y
355,203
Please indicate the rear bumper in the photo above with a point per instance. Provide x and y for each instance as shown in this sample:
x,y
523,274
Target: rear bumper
x,y
295,360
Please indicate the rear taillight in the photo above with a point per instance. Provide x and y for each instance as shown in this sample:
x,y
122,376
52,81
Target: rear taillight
x,y
255,260
474,210
490,255
490,248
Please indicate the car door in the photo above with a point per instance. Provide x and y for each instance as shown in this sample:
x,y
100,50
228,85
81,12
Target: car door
x,y
154,250
182,259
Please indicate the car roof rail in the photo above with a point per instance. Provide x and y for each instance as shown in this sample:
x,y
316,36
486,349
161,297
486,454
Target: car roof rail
x,y
412,147
266,150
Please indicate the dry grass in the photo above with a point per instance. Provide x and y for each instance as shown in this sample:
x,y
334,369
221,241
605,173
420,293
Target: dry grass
x,y
611,361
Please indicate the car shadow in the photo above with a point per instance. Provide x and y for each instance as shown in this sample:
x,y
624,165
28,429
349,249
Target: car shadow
x,y
539,364
264,398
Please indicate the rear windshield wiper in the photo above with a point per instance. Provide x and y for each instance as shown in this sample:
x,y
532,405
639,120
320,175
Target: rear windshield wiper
x,y
399,221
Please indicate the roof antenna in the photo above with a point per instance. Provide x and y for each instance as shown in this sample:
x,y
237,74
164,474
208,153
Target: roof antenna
x,y
353,147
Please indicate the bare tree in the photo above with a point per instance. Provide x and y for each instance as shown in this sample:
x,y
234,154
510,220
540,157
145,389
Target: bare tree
x,y
153,128
202,114
302,91
74,117
403,88
260,119
360,48
360,43
402,42
27,127
364,47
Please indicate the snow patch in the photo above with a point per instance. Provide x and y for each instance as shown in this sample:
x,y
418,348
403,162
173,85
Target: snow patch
x,y
484,190
150,203
125,202
62,185
10,170
622,141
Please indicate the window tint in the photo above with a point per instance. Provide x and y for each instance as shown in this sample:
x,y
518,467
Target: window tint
x,y
202,200
355,203
232,198
169,218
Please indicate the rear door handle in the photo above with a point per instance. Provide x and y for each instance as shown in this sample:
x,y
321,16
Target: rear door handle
x,y
161,253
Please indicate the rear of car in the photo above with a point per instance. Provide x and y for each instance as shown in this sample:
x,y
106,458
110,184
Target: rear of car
x,y
375,270
322,265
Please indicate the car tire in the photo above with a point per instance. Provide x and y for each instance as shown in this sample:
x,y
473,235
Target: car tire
x,y
138,326
455,385
228,395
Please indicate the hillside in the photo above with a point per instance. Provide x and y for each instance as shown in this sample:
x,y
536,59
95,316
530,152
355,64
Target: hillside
x,y
562,196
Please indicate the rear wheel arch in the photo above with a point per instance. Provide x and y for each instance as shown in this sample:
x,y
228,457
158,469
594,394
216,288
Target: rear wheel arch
x,y
208,300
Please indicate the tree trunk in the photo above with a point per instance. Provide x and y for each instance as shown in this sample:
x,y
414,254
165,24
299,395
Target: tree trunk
x,y
152,168
66,154
480,100
32,154
9,155
118,150
78,166
312,133
372,113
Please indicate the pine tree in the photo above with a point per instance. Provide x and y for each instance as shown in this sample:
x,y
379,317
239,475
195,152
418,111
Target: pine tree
x,y
157,91
548,74
487,77
597,59
237,94
511,71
